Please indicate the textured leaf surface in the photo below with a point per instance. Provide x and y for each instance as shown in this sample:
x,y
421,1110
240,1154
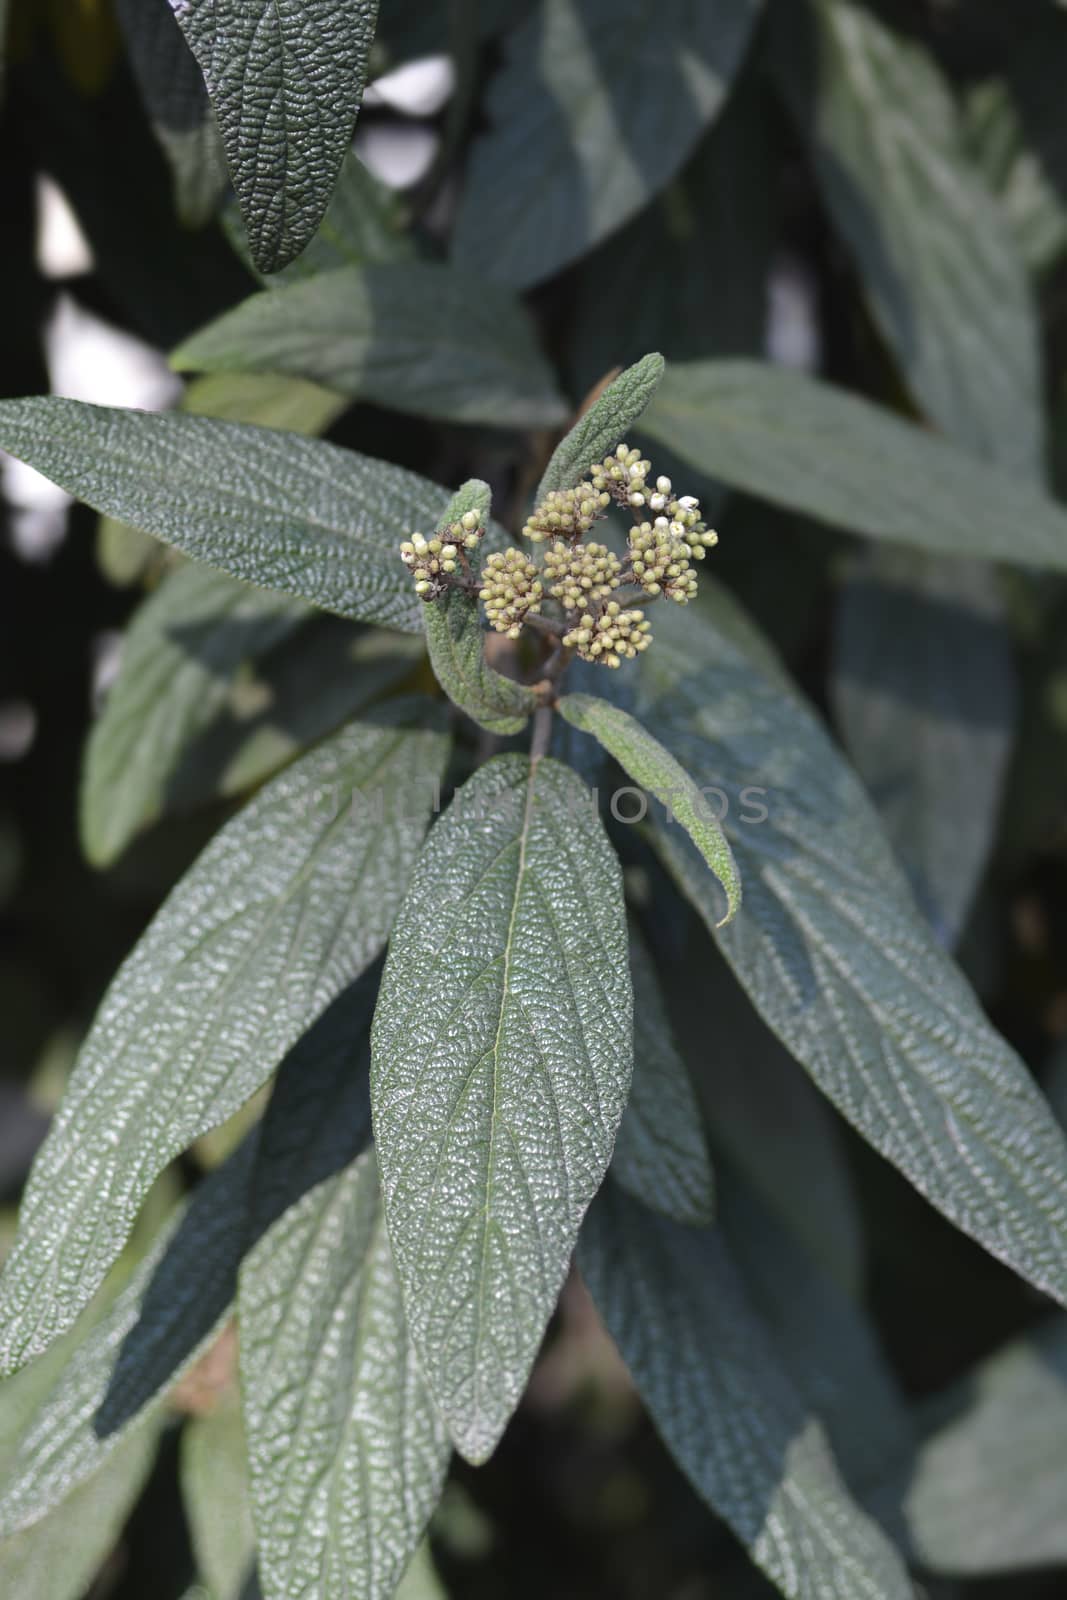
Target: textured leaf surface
x,y
411,335
456,641
810,446
660,1154
215,1495
709,1374
286,79
58,1558
837,960
645,760
502,1056
585,125
985,1493
179,660
317,1120
927,235
273,509
925,695
291,901
604,425
348,1454
176,100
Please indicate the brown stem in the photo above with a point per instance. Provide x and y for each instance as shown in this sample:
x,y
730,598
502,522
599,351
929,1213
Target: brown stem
x,y
542,733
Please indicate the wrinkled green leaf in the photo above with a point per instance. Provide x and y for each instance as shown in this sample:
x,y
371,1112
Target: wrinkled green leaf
x,y
985,1493
456,642
286,80
365,221
501,1061
179,661
215,1494
176,100
928,237
924,690
420,1581
645,760
291,901
809,446
593,111
348,1455
660,1155
604,425
725,1406
411,335
834,955
76,1405
57,1558
298,515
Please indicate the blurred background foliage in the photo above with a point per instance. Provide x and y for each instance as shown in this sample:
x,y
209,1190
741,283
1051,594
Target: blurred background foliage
x,y
947,684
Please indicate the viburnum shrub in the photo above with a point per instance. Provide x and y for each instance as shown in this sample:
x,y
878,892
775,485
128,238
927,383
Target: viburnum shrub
x,y
541,897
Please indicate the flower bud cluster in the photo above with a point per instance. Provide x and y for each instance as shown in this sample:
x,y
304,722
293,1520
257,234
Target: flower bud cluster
x,y
469,531
579,573
511,590
611,636
431,563
566,513
622,475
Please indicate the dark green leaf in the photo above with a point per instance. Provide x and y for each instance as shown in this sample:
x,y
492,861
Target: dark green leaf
x,y
215,1495
985,1492
286,79
172,87
501,1057
365,222
807,445
708,1371
272,509
291,901
411,335
604,425
660,1155
927,235
837,960
597,106
924,690
690,275
645,760
456,641
348,1455
179,661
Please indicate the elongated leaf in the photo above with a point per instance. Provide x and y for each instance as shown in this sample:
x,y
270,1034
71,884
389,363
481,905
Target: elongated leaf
x,y
986,1490
365,221
215,1495
837,960
456,639
179,661
411,335
272,509
604,425
291,901
317,1121
927,235
420,1581
348,1454
998,145
807,445
655,769
501,1061
176,100
690,275
592,113
286,79
709,1374
57,1558
660,1155
925,695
